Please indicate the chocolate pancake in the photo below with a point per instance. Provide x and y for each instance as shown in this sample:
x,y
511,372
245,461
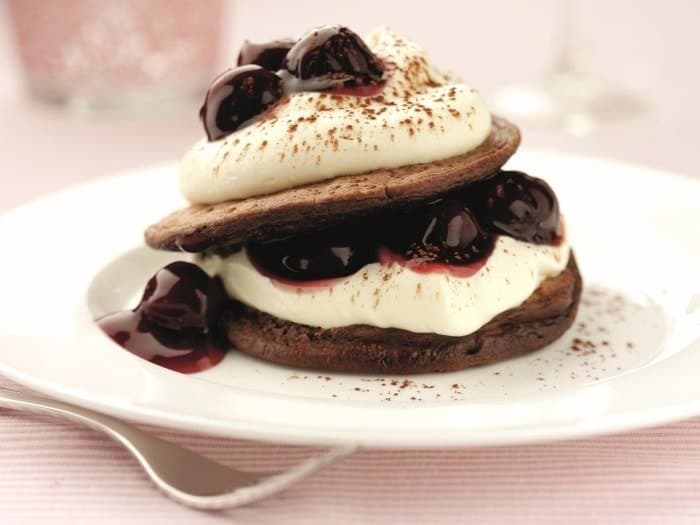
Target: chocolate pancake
x,y
227,225
538,321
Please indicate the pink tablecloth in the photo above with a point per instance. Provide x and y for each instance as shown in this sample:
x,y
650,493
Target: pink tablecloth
x,y
52,472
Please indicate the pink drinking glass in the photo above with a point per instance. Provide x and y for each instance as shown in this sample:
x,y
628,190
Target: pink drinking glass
x,y
116,52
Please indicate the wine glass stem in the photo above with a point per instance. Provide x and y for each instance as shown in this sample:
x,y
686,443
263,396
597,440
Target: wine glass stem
x,y
565,59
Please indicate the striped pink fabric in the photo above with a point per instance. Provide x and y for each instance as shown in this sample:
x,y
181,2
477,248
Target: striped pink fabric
x,y
54,472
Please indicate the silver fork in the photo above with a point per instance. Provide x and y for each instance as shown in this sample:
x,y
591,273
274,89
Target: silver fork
x,y
183,475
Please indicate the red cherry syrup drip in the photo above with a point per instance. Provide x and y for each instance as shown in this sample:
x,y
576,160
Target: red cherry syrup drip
x,y
387,257
176,323
369,90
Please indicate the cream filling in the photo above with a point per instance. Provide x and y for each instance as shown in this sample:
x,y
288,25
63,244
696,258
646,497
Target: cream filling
x,y
421,115
395,296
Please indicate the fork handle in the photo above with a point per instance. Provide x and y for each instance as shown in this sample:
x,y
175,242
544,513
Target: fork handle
x,y
250,486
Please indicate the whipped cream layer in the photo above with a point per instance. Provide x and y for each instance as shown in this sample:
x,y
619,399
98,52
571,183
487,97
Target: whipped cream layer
x,y
395,296
421,115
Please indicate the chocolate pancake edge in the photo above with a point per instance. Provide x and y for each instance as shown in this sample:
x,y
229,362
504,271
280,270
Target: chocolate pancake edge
x,y
538,321
227,225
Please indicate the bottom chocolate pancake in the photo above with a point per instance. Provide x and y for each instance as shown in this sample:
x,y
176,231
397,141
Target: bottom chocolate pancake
x,y
538,321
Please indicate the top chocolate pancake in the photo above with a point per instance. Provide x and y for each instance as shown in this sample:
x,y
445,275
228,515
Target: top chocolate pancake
x,y
227,225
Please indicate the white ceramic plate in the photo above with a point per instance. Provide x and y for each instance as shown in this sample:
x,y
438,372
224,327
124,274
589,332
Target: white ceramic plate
x,y
632,358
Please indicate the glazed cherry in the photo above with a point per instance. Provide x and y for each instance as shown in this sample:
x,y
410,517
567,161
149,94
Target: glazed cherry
x,y
269,55
175,324
179,297
313,257
445,232
334,52
517,205
236,96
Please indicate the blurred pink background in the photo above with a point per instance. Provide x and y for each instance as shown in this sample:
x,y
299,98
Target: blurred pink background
x,y
648,46
115,51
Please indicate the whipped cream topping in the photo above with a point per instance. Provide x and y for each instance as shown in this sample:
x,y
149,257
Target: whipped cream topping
x,y
396,296
421,115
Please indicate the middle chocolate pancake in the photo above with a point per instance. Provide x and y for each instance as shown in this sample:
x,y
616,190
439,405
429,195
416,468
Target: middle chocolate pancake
x,y
228,225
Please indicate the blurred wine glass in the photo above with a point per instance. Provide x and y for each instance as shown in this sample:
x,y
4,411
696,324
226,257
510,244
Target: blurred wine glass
x,y
116,53
567,97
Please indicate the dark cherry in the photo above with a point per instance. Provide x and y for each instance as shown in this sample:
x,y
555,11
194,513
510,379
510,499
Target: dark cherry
x,y
179,297
269,55
175,324
328,57
334,52
314,257
446,231
515,204
236,96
